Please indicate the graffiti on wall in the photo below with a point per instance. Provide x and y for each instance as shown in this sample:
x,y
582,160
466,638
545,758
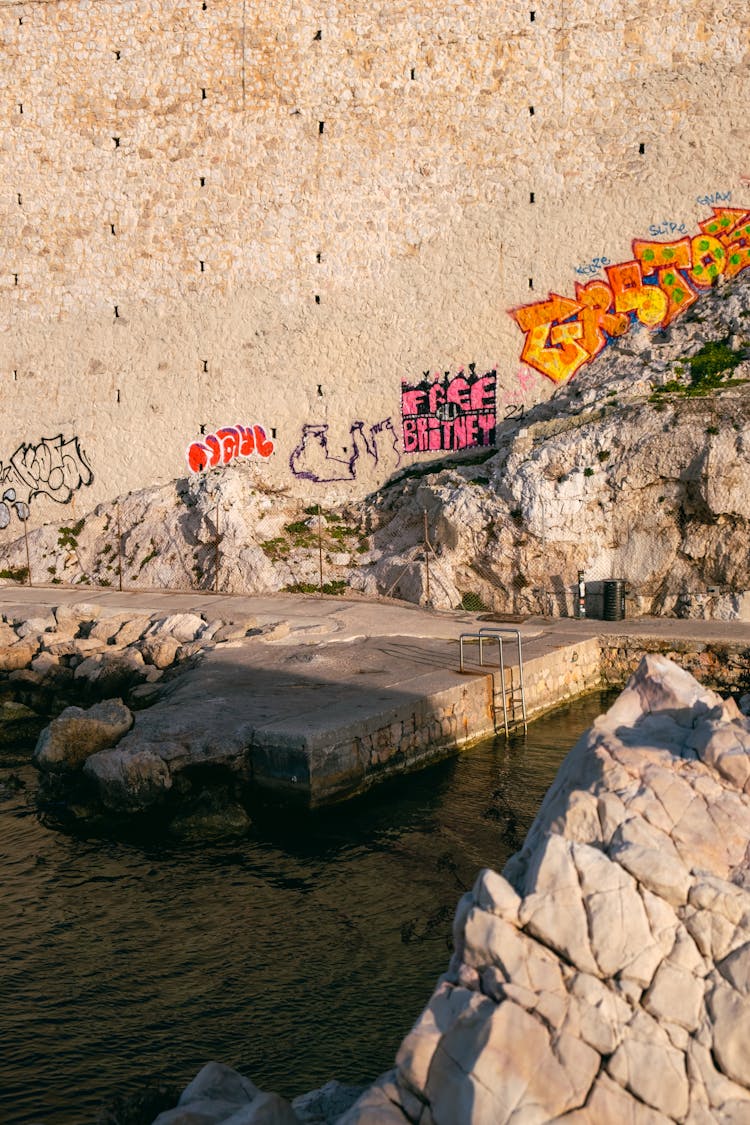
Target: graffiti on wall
x,y
377,448
447,412
226,444
54,467
662,280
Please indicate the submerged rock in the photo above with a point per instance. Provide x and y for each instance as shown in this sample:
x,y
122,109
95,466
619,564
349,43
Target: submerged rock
x,y
17,722
213,816
219,1094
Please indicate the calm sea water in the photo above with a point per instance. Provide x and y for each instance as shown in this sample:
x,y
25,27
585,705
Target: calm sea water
x,y
301,953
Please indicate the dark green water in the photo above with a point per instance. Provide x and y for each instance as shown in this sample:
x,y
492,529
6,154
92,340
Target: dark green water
x,y
302,953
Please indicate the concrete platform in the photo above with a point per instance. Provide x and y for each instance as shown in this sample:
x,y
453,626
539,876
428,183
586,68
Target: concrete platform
x,y
337,694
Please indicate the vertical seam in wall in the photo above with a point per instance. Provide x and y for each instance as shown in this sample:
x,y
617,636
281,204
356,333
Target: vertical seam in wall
x,y
244,9
562,61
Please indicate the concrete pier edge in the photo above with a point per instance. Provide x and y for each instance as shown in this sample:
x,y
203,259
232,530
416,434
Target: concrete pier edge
x,y
379,692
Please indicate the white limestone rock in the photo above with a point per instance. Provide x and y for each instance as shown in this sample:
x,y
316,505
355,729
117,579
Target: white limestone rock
x,y
494,893
34,626
219,1095
327,1105
605,975
649,1067
553,911
730,1013
161,651
184,627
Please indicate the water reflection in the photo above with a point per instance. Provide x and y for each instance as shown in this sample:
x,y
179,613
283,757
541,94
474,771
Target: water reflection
x,y
300,953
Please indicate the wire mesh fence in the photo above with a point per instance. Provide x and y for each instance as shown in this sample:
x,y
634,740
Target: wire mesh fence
x,y
224,537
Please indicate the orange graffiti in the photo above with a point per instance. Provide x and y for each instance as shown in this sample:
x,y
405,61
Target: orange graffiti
x,y
668,260
661,281
598,322
552,347
731,225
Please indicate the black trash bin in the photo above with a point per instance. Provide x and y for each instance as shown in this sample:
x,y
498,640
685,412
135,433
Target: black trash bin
x,y
614,599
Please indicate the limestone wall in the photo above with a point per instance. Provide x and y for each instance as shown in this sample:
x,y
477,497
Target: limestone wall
x,y
270,214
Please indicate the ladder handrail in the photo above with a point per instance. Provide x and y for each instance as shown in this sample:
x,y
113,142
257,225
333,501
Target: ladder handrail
x,y
495,631
477,637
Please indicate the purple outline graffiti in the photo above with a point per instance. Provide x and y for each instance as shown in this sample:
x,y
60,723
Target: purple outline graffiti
x,y
55,467
311,459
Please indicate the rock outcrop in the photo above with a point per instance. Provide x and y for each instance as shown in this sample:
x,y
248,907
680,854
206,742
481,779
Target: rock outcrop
x,y
605,975
85,651
220,1094
76,734
637,469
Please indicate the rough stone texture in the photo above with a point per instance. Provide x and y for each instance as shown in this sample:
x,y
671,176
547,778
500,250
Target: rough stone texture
x,y
326,1105
76,734
583,987
219,1095
193,190
577,990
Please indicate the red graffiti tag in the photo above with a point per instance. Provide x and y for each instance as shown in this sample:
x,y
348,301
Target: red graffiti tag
x,y
662,280
226,444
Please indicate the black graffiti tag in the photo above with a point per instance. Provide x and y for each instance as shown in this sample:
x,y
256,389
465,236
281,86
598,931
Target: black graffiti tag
x,y
55,467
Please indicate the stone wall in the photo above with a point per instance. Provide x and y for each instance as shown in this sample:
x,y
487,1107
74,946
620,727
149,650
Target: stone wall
x,y
270,214
724,666
561,675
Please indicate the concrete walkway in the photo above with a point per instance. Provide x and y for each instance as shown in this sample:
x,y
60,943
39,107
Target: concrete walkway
x,y
313,619
337,693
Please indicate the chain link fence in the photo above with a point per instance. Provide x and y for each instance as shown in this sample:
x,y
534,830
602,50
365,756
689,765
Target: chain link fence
x,y
202,535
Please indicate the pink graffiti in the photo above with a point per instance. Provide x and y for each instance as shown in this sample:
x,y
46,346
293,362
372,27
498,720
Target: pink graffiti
x,y
449,411
226,444
526,377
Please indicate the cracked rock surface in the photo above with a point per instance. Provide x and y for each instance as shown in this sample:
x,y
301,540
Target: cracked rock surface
x,y
604,976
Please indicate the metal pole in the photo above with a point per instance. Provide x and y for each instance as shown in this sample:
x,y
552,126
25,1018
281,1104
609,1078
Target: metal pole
x,y
28,558
426,556
320,550
216,567
119,550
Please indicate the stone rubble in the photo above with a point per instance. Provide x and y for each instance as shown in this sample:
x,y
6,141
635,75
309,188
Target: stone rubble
x,y
85,643
605,975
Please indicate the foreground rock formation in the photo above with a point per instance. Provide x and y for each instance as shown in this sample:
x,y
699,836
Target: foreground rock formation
x,y
605,976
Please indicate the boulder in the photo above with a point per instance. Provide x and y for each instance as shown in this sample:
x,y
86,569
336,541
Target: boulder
x,y
326,1105
221,1096
33,626
130,781
18,655
183,627
112,673
76,734
159,650
8,635
605,980
70,618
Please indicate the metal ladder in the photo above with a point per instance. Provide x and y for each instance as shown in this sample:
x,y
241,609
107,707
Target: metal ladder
x,y
515,695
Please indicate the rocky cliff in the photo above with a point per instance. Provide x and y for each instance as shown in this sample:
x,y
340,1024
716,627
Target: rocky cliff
x,y
637,470
605,976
